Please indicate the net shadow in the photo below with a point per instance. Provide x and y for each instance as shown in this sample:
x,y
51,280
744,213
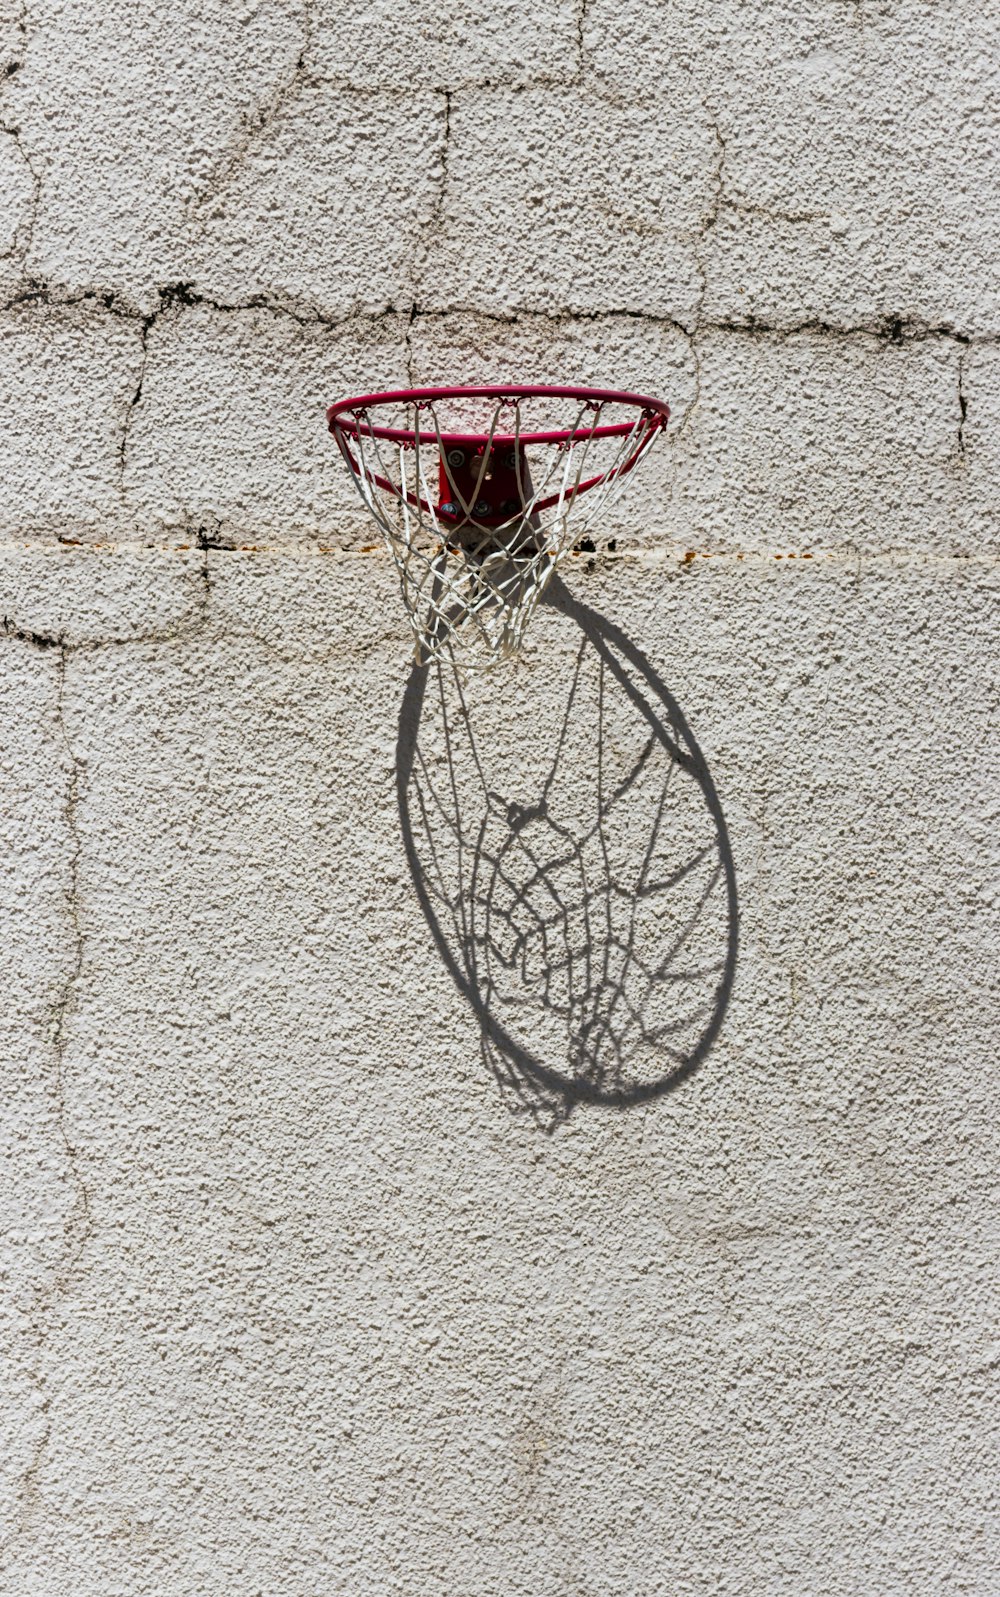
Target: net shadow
x,y
575,871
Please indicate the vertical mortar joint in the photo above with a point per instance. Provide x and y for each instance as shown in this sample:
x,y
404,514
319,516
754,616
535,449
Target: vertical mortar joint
x,y
963,402
581,48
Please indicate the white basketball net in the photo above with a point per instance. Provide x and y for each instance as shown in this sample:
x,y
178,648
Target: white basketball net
x,y
463,578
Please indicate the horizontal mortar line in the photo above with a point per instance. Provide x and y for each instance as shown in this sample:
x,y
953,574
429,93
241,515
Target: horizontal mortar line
x,y
890,328
664,554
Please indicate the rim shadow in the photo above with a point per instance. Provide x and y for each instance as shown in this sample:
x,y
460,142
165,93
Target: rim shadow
x,y
588,913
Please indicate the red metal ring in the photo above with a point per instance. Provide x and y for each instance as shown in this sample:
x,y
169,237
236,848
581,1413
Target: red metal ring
x,y
342,417
345,422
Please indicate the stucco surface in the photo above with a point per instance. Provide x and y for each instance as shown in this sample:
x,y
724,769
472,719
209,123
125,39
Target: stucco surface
x,y
366,1225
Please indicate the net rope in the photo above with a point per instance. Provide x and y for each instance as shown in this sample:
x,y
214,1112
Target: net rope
x,y
474,586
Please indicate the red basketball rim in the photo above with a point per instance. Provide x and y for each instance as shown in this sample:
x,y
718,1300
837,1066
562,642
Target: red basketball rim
x,y
344,415
349,419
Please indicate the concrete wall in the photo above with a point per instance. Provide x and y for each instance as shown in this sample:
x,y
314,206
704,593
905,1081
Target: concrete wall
x,y
322,1274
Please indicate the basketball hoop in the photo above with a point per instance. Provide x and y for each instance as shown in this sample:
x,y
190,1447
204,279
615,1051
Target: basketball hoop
x,y
477,493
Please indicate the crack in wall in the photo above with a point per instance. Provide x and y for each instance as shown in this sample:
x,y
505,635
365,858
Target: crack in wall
x,y
134,402
81,1219
408,343
744,208
963,403
890,328
433,225
185,626
37,640
24,233
33,291
263,117
581,48
78,1225
709,220
708,223
437,204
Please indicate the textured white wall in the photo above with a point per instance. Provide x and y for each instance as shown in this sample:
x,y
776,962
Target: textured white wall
x,y
295,1301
